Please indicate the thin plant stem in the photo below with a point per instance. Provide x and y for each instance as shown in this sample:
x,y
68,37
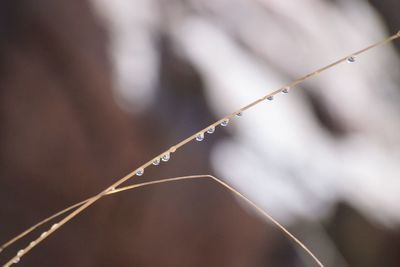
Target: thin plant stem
x,y
174,148
161,181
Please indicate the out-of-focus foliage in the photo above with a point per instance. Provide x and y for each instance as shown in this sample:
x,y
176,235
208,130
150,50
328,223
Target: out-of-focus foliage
x,y
90,90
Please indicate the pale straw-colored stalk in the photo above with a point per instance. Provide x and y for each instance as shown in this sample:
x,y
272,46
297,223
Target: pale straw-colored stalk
x,y
284,89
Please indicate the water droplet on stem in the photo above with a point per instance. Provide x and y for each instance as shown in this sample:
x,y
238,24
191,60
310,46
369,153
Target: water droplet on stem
x,y
156,161
200,137
225,122
351,59
140,172
165,157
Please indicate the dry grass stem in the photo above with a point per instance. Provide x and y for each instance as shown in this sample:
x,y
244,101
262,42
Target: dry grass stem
x,y
161,181
114,187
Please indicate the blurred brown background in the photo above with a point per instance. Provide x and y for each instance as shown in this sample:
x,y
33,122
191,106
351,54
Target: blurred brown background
x,y
74,117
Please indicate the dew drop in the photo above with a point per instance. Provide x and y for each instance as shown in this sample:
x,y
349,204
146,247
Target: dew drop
x,y
20,253
351,59
15,259
156,161
54,226
211,130
32,243
239,114
200,137
43,234
166,157
285,90
225,122
140,172
270,98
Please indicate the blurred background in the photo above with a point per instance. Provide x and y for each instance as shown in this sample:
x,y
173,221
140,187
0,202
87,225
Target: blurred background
x,y
90,90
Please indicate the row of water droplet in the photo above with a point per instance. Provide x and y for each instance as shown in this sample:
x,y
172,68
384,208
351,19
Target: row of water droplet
x,y
21,252
164,158
201,135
